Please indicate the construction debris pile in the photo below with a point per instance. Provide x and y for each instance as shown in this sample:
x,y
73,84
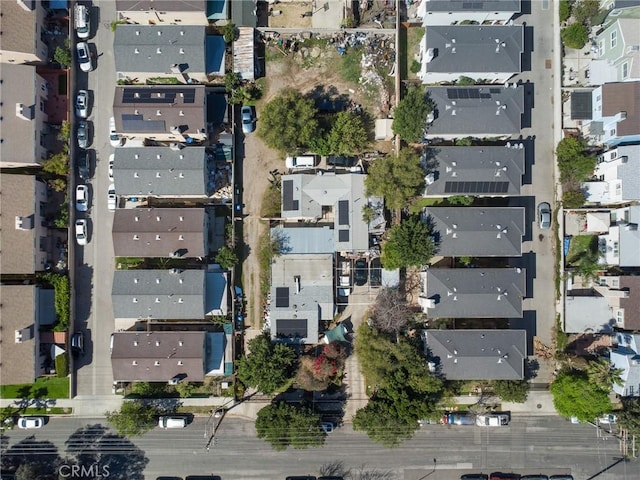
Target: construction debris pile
x,y
220,181
378,59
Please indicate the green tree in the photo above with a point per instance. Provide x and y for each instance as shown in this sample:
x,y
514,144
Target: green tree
x,y
58,164
585,10
464,142
575,36
283,424
511,390
134,418
268,366
565,10
229,32
320,145
408,244
231,81
573,198
574,165
226,258
148,389
58,185
62,55
348,136
575,396
288,122
185,389
601,373
465,81
410,116
629,417
379,419
28,471
396,178
64,134
416,66
464,200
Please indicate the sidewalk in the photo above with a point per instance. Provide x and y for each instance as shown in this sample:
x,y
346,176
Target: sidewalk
x,y
538,403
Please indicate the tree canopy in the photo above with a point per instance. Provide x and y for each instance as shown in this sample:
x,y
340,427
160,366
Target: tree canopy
x,y
629,417
575,36
133,419
511,390
391,312
288,122
601,373
574,165
396,178
574,395
282,424
408,244
410,116
268,366
349,135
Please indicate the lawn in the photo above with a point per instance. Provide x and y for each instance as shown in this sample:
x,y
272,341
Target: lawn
x,y
409,45
54,387
581,247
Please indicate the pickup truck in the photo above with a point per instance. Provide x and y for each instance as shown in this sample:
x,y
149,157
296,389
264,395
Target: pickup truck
x,y
493,420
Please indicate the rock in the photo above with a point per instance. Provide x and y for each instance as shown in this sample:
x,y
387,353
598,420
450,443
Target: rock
x,y
315,52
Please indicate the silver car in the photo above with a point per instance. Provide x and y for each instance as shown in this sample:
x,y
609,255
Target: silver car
x,y
544,216
81,231
248,122
82,104
83,134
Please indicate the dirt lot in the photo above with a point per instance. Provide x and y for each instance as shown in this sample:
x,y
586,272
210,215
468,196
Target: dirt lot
x,y
313,68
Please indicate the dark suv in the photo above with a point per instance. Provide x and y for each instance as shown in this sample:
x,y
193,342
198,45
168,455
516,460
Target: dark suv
x,y
83,164
341,161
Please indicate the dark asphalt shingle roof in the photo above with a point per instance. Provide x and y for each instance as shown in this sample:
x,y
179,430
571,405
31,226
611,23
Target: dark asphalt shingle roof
x,y
478,354
473,5
581,105
623,97
477,49
161,5
475,292
485,110
477,231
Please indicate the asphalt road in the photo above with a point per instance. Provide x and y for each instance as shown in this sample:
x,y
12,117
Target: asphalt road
x,y
541,444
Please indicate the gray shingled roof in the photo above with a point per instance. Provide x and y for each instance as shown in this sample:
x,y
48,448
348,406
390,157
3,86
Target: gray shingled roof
x,y
629,172
477,231
156,48
159,232
484,170
158,356
475,292
477,354
476,49
159,294
304,239
306,196
161,171
630,239
626,356
476,111
161,5
473,5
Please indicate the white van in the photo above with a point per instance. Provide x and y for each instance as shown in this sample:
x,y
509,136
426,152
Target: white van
x,y
172,422
82,21
305,161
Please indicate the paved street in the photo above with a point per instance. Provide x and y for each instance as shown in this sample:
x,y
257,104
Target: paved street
x,y
546,444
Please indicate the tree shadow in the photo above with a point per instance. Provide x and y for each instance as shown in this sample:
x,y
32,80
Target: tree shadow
x,y
41,454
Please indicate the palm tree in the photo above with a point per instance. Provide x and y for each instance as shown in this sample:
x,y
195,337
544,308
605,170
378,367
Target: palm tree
x,y
603,374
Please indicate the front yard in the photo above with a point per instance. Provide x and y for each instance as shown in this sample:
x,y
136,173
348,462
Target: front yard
x,y
43,387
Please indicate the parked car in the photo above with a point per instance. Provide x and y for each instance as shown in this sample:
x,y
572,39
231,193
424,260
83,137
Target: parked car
x,y
504,476
82,198
375,273
304,161
83,133
77,343
534,477
82,104
111,198
172,422
114,138
28,423
474,476
561,477
544,216
457,419
248,121
83,165
609,419
341,161
84,56
361,272
493,420
111,160
81,231
82,21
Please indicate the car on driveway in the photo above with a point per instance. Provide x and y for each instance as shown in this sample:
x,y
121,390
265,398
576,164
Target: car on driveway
x,y
341,161
375,273
28,423
77,344
83,134
361,272
248,121
111,198
111,160
82,198
544,216
82,104
81,231
84,56
114,138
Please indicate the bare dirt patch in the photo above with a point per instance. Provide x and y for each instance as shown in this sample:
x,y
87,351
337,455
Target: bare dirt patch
x,y
290,15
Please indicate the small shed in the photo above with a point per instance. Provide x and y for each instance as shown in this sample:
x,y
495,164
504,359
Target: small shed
x,y
383,129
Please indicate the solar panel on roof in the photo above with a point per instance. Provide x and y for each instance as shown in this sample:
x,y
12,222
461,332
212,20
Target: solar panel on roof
x,y
463,93
343,235
474,93
494,90
452,93
189,95
343,212
294,327
282,297
485,95
138,95
288,203
476,187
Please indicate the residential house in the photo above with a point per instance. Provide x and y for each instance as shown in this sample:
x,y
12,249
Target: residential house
x,y
23,122
617,53
477,231
183,52
452,12
620,246
492,54
22,39
329,199
477,354
458,110
473,292
625,356
301,297
244,13
168,295
245,62
161,113
161,232
164,172
615,116
27,246
164,12
23,311
616,177
304,239
167,356
494,171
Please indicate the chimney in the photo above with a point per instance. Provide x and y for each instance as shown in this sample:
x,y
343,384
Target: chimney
x,y
24,112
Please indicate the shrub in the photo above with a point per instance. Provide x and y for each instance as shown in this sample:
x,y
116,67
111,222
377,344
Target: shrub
x,y
575,36
62,295
62,55
62,365
229,32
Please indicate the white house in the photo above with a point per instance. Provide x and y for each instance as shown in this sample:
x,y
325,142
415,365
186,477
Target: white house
x,y
616,177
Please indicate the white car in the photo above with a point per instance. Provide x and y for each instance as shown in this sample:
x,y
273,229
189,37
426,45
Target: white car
x,y
81,231
111,198
492,420
114,138
172,422
82,104
84,56
608,419
28,423
111,160
82,198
